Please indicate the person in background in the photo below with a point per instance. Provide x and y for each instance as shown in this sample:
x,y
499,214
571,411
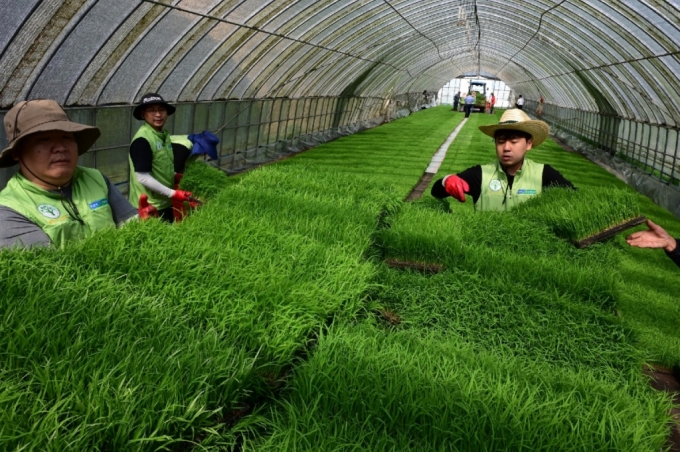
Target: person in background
x,y
539,109
488,101
520,102
493,102
456,100
511,180
155,167
469,101
51,200
656,237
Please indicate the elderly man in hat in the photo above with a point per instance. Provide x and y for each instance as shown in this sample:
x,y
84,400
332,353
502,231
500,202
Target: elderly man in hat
x,y
511,180
155,165
52,200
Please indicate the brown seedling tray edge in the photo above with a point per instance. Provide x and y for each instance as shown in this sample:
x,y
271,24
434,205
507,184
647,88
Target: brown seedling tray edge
x,y
610,232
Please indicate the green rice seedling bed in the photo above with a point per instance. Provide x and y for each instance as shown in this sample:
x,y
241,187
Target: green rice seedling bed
x,y
151,336
513,294
145,337
511,319
394,154
366,389
504,247
647,300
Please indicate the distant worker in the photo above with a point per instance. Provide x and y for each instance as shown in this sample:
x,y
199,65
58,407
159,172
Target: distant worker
x,y
511,180
456,99
51,200
155,168
469,101
656,237
520,102
488,101
539,109
493,102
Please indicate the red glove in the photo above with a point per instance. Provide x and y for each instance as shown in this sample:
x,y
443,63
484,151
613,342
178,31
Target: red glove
x,y
180,195
456,187
178,179
146,210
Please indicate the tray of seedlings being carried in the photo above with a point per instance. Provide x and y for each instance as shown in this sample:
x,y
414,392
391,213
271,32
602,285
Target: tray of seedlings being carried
x,y
584,216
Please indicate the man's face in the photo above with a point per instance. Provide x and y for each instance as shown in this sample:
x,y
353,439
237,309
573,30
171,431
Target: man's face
x,y
51,156
155,116
511,149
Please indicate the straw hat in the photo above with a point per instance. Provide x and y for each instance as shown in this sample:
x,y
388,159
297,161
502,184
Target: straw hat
x,y
515,119
151,99
28,117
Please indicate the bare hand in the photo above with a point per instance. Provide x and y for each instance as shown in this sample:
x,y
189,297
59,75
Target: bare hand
x,y
655,237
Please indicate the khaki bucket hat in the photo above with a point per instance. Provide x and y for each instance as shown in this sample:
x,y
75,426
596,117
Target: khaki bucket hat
x,y
515,119
28,117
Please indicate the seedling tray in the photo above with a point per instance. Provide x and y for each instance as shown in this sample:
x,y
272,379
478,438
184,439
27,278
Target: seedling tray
x,y
610,232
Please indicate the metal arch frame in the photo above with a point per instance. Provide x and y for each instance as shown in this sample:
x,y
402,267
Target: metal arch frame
x,y
604,42
92,57
272,33
147,84
19,28
17,32
307,60
326,67
158,22
128,51
47,58
622,51
105,43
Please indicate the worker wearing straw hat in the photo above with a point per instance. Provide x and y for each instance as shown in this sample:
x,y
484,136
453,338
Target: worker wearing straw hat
x,y
52,200
155,165
511,180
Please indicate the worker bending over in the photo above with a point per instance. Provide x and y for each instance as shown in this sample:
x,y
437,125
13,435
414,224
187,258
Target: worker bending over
x,y
511,180
155,168
52,200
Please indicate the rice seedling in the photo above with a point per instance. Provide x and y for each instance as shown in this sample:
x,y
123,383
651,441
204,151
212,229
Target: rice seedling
x,y
504,247
146,337
203,180
511,319
579,216
151,337
364,389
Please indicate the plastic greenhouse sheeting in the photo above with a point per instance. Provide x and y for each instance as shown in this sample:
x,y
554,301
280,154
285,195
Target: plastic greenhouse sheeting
x,y
619,57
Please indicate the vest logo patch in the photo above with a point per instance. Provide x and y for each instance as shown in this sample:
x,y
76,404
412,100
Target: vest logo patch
x,y
49,211
159,145
495,185
523,191
99,203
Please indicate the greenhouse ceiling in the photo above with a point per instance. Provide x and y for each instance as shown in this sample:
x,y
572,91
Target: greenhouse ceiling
x,y
618,57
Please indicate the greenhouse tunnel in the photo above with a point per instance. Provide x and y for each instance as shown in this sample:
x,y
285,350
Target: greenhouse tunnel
x,y
274,78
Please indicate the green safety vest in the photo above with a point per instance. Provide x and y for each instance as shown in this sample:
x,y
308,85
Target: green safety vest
x,y
162,167
89,193
527,184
